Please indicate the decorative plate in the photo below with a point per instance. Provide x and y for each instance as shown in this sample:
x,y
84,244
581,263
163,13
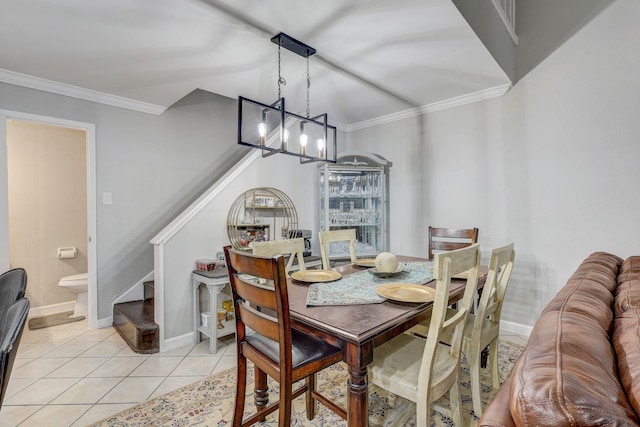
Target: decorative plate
x,y
406,292
316,276
378,273
365,262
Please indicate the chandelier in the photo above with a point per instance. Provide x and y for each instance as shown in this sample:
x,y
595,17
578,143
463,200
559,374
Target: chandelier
x,y
273,129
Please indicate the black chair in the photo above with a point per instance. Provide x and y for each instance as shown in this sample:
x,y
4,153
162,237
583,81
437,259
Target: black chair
x,y
13,284
10,334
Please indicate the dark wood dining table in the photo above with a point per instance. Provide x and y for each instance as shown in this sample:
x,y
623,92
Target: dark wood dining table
x,y
358,329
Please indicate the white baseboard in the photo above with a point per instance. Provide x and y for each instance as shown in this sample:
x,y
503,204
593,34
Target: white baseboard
x,y
46,310
177,342
516,328
105,323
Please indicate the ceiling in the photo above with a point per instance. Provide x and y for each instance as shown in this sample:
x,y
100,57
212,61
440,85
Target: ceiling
x,y
375,58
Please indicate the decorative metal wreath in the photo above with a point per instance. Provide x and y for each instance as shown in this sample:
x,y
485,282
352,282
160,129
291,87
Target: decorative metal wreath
x,y
260,214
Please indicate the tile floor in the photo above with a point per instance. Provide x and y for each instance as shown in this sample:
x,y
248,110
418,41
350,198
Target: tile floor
x,y
69,376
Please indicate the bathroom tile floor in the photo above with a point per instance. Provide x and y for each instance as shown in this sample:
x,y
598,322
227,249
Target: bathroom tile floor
x,y
69,376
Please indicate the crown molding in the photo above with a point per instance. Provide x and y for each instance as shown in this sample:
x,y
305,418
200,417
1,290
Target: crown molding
x,y
430,108
38,83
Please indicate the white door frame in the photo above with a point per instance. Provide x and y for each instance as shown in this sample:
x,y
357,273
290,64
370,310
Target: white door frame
x,y
90,130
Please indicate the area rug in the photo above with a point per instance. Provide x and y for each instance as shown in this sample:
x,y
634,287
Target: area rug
x,y
53,320
209,402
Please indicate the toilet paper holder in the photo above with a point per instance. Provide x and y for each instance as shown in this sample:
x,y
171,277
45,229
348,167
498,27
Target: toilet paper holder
x,y
68,252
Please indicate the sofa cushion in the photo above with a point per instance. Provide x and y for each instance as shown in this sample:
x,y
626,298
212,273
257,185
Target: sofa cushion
x,y
568,374
626,330
628,290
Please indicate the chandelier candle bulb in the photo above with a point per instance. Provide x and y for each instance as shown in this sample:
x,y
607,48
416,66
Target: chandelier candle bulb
x,y
320,147
303,144
285,139
262,133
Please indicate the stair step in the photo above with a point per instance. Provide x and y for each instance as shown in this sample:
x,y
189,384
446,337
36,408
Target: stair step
x,y
134,322
149,289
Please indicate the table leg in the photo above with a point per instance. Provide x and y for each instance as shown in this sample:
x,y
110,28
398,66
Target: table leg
x,y
358,390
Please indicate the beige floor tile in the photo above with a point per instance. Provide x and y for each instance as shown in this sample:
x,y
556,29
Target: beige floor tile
x,y
14,415
102,349
99,412
156,367
41,392
71,349
117,367
226,362
97,335
173,383
78,367
39,368
132,390
16,385
87,390
38,349
62,336
56,416
196,366
180,351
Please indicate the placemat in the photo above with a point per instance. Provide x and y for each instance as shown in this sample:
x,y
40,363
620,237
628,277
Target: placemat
x,y
360,288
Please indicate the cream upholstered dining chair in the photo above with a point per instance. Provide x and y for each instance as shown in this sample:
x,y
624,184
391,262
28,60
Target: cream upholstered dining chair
x,y
274,346
447,239
424,370
344,235
293,248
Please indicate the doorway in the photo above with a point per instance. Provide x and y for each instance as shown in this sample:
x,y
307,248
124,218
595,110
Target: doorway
x,y
86,131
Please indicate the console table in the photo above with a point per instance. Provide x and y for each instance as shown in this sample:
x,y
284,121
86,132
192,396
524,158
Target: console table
x,y
215,283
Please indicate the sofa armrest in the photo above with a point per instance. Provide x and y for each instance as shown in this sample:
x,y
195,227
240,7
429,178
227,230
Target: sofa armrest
x,y
497,413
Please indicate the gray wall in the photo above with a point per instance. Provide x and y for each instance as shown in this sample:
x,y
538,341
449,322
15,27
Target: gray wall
x,y
551,166
154,166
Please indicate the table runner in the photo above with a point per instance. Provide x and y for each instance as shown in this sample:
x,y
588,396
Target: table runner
x,y
360,288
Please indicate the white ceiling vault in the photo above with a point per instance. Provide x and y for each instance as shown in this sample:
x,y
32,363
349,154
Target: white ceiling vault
x,y
375,58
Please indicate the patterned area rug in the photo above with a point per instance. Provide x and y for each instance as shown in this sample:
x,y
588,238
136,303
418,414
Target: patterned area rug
x,y
209,402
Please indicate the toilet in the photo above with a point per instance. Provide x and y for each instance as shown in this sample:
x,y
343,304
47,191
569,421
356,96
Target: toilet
x,y
78,284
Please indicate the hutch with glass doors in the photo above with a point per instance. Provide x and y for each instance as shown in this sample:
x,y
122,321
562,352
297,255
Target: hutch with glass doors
x,y
354,194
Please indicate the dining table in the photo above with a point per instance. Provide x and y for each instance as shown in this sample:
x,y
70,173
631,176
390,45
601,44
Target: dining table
x,y
359,328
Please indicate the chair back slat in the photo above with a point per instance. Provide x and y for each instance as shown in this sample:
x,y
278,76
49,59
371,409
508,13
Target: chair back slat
x,y
293,248
260,322
344,235
449,239
250,289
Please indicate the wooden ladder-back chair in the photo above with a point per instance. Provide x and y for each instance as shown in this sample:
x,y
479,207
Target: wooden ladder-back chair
x,y
261,302
448,239
344,235
293,248
424,370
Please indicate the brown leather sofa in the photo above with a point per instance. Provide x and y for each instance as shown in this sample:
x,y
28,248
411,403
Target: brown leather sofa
x,y
581,366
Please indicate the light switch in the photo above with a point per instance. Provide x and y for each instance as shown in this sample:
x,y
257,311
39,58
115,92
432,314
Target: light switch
x,y
106,198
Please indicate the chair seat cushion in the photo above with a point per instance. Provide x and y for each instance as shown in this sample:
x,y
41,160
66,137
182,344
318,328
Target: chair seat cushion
x,y
396,365
305,348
